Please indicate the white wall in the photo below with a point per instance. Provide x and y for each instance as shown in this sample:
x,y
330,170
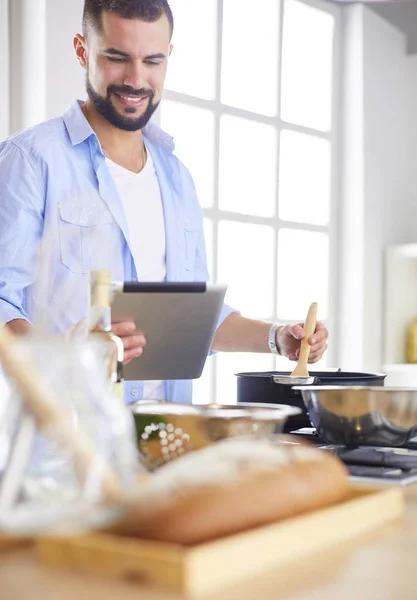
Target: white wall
x,y
27,63
378,199
65,78
387,193
44,75
412,137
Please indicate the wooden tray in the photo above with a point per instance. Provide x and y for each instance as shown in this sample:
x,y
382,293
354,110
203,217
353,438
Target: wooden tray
x,y
206,568
9,543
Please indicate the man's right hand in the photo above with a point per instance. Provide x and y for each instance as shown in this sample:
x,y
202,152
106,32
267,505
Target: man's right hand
x,y
133,341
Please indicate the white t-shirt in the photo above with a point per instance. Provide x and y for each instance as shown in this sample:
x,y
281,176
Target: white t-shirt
x,y
141,198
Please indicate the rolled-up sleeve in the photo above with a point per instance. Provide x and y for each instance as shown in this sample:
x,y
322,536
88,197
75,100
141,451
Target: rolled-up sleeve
x,y
22,199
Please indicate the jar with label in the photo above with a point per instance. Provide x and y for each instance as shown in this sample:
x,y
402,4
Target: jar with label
x,y
412,342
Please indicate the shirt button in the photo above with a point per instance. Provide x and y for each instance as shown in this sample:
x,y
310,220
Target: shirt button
x,y
134,392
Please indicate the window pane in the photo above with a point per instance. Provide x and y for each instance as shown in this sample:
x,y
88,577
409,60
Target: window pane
x,y
193,131
208,236
246,263
203,387
192,65
228,364
248,165
307,63
304,178
283,364
250,55
303,273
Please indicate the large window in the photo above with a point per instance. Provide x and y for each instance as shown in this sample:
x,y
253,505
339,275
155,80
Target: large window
x,y
250,101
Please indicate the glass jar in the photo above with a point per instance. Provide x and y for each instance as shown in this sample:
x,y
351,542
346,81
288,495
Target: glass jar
x,y
41,489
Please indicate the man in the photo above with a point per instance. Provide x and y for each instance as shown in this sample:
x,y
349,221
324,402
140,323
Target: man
x,y
100,188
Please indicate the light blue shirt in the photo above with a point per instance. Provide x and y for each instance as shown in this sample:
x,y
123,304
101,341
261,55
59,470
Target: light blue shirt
x,y
58,202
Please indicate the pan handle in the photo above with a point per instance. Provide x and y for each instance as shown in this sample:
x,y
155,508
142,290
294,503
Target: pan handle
x,y
289,380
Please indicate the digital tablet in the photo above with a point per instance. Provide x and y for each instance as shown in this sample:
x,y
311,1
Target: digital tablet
x,y
179,321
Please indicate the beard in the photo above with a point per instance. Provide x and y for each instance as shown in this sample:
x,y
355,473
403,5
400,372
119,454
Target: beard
x,y
105,108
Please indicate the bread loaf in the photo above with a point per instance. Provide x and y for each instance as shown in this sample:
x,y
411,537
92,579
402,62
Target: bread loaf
x,y
232,486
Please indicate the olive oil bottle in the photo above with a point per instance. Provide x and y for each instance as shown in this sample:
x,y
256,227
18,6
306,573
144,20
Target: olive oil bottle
x,y
100,325
412,342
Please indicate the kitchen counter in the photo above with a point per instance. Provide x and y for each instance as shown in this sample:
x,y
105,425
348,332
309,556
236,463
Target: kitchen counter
x,y
381,565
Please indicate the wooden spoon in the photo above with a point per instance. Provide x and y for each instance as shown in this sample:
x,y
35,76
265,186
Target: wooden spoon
x,y
309,328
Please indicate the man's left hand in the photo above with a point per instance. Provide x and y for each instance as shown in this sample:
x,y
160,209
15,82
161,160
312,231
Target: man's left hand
x,y
289,341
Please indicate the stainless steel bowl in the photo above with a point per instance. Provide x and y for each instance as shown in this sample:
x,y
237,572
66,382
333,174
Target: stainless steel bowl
x,y
362,416
166,430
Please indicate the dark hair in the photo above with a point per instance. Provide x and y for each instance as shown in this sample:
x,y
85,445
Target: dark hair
x,y
147,10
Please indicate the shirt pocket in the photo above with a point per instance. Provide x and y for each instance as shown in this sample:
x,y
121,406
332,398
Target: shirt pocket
x,y
81,231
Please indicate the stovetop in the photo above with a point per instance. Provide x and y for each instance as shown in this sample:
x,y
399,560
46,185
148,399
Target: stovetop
x,y
373,464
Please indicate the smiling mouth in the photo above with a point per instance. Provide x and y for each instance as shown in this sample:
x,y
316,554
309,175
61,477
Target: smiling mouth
x,y
130,101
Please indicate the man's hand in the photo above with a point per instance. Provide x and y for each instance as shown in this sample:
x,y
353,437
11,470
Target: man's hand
x,y
289,341
133,341
19,327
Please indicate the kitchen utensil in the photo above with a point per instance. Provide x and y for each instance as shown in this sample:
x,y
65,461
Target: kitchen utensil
x,y
277,387
300,375
301,369
166,430
362,416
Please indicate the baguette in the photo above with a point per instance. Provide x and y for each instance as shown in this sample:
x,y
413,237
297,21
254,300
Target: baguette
x,y
232,486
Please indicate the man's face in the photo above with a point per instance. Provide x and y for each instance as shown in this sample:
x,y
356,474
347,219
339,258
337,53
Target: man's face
x,y
126,66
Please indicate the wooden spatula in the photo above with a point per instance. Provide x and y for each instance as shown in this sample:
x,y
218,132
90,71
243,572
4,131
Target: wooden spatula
x,y
309,327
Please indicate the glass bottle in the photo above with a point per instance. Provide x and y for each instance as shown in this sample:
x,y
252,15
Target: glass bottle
x,y
412,342
100,324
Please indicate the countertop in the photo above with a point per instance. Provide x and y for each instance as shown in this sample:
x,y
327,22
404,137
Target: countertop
x,y
381,565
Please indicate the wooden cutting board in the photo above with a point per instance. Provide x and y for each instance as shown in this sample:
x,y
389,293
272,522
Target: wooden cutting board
x,y
207,568
9,543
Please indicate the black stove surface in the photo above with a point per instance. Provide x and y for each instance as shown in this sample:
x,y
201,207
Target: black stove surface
x,y
382,475
372,464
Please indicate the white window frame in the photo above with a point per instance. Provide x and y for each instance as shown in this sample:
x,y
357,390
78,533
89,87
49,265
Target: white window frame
x,y
215,214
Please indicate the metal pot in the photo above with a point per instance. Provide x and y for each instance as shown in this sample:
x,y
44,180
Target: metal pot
x,y
276,387
362,416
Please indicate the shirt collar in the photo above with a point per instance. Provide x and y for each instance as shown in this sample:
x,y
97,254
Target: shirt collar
x,y
79,128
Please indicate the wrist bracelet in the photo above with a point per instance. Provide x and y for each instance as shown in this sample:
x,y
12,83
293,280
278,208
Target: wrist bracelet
x,y
272,338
